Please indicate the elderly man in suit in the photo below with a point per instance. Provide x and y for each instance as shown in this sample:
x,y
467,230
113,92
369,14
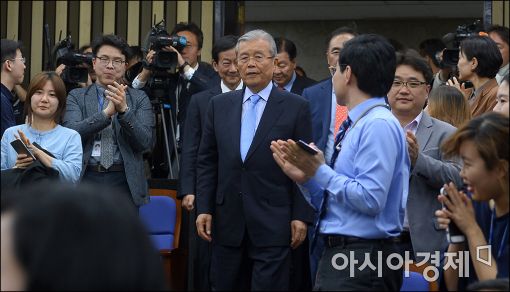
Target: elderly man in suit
x,y
249,209
429,170
118,118
285,76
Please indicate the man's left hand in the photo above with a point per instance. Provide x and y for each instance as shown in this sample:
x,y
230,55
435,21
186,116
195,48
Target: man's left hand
x,y
303,160
180,59
298,230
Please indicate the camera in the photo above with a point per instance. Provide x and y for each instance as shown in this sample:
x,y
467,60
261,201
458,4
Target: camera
x,y
158,39
75,71
451,56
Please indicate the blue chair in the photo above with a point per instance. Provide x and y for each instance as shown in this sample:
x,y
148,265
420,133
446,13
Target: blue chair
x,y
159,217
415,282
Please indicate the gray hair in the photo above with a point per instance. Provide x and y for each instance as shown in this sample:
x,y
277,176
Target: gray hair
x,y
255,35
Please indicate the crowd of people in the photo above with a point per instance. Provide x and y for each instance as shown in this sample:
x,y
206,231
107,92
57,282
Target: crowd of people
x,y
288,183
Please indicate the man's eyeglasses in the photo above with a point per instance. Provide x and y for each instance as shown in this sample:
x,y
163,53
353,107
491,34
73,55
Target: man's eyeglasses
x,y
408,84
258,59
332,69
115,62
22,59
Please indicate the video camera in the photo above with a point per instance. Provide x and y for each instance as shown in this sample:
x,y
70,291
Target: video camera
x,y
64,53
451,56
158,39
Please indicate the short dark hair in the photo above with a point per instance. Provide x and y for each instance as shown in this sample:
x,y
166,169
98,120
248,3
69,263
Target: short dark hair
x,y
37,83
223,44
486,52
417,63
191,27
372,60
111,40
339,31
286,45
502,31
8,49
430,47
62,233
83,48
135,51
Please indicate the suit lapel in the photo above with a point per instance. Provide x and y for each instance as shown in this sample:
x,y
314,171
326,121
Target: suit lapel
x,y
235,122
327,87
272,112
91,101
424,131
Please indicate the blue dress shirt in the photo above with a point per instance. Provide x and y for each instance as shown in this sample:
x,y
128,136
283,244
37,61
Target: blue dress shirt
x,y
369,184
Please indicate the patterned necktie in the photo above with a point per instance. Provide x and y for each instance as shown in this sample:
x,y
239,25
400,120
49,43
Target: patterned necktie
x,y
106,138
340,116
322,208
248,124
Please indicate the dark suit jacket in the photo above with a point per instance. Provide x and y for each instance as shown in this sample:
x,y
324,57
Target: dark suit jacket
x,y
319,96
301,83
253,196
192,133
134,132
201,80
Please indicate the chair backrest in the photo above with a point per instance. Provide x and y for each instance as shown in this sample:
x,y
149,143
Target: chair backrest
x,y
415,282
159,216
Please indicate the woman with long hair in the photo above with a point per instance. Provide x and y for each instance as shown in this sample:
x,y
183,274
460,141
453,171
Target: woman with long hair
x,y
44,107
446,103
482,143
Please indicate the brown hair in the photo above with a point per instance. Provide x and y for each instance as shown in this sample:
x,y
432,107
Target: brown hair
x,y
489,132
37,83
446,103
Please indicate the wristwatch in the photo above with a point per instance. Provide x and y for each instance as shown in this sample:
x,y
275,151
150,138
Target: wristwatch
x,y
181,68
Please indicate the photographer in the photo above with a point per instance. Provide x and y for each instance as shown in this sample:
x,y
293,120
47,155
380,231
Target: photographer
x,y
483,145
194,76
74,67
479,62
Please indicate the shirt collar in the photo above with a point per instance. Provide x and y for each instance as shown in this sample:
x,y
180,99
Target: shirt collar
x,y
413,125
264,93
225,88
355,113
7,92
289,84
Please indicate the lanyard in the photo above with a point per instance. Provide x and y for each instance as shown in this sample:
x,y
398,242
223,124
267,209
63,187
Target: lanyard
x,y
502,243
100,101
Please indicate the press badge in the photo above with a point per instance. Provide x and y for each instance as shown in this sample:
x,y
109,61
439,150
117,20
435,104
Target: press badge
x,y
96,149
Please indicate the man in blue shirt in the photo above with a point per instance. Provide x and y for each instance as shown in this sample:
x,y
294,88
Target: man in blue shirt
x,y
13,72
360,199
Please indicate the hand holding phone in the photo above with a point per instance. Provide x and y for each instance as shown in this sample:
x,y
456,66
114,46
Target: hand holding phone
x,y
453,233
21,148
307,147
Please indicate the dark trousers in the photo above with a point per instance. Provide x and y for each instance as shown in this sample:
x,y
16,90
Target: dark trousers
x,y
248,267
199,257
115,180
300,279
336,277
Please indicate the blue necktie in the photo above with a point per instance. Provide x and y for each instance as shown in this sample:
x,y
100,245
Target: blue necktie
x,y
339,137
248,124
322,209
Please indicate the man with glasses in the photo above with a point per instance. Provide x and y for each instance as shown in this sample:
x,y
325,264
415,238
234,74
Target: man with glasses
x,y
327,115
118,118
285,76
429,170
256,212
13,72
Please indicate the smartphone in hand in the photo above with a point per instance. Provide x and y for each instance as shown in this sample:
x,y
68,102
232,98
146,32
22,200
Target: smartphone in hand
x,y
307,147
21,148
453,233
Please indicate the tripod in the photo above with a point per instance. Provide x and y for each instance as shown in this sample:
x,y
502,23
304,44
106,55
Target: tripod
x,y
162,108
